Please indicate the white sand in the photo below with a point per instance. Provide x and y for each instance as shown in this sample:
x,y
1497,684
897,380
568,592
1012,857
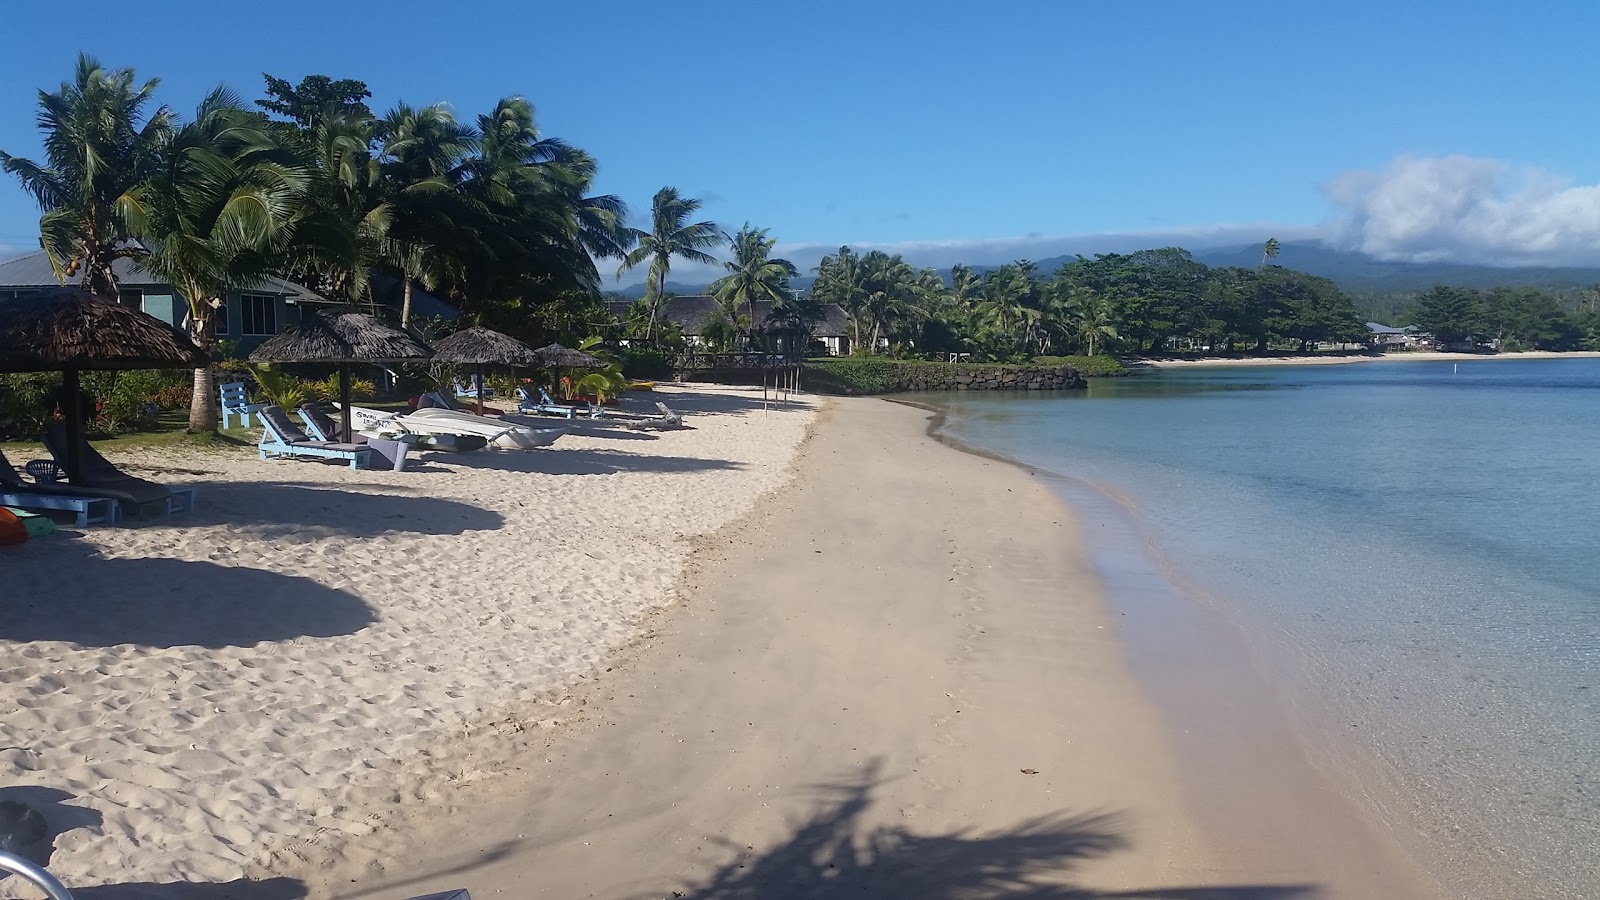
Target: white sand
x,y
192,697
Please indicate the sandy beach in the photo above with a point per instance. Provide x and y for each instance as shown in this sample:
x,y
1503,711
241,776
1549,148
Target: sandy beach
x,y
898,677
1332,359
315,648
886,669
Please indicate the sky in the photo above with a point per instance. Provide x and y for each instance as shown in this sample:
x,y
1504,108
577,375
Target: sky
x,y
1464,131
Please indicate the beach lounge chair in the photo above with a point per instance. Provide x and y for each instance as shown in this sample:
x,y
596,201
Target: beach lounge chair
x,y
281,437
547,406
90,507
235,403
470,389
324,427
98,475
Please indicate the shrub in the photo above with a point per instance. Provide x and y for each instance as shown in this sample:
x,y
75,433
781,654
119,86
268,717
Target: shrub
x,y
26,404
175,396
1098,366
646,364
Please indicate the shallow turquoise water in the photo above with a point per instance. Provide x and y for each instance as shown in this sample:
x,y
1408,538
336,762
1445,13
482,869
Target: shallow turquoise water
x,y
1411,548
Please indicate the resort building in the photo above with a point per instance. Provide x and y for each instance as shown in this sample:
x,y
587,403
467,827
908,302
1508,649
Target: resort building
x,y
694,313
248,315
1384,337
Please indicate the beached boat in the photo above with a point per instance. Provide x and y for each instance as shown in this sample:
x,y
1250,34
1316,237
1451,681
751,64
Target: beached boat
x,y
448,429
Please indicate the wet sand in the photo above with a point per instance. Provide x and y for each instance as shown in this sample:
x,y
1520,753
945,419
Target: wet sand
x,y
898,677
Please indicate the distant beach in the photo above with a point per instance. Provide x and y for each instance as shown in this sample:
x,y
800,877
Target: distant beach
x,y
1331,359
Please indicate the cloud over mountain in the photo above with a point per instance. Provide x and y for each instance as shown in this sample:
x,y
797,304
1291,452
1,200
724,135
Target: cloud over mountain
x,y
1465,209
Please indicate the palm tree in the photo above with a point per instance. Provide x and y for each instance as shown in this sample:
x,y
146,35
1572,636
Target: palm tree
x,y
216,213
422,163
670,235
752,274
840,280
1092,317
1269,250
97,154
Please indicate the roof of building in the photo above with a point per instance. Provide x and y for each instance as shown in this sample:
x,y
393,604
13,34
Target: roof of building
x,y
691,313
388,290
1380,328
33,270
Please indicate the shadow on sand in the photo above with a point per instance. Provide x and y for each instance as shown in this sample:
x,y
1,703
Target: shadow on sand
x,y
178,604
283,507
587,462
835,854
270,889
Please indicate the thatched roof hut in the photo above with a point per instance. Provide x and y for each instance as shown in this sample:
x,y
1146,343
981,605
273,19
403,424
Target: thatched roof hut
x,y
70,329
341,337
477,346
555,356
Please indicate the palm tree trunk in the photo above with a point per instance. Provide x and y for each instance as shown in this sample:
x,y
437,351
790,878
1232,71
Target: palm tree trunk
x,y
203,402
655,306
405,302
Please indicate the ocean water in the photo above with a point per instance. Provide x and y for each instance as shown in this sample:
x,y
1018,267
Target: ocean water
x,y
1412,550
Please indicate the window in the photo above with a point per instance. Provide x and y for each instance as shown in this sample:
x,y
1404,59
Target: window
x,y
130,298
257,314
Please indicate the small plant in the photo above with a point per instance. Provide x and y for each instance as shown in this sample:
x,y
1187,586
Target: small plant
x,y
280,388
175,396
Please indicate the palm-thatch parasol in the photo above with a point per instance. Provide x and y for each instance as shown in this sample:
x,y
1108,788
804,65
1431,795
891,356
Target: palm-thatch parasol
x,y
342,337
555,356
481,347
70,330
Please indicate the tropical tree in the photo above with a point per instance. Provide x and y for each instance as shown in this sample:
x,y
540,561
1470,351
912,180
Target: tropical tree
x,y
671,234
1269,251
840,280
216,213
99,147
1091,318
753,275
422,163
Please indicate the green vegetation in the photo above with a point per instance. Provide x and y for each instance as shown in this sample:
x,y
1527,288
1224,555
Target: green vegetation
x,y
857,375
1146,302
1088,366
1516,318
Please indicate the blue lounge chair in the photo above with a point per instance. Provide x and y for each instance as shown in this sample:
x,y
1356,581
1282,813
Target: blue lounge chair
x,y
99,476
281,437
91,507
324,427
470,389
236,403
547,406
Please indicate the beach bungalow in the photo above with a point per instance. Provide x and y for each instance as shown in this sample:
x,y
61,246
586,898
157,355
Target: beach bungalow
x,y
249,314
693,313
1384,337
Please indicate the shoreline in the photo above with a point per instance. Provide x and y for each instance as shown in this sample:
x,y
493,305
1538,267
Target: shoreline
x,y
1245,757
865,657
1348,359
701,753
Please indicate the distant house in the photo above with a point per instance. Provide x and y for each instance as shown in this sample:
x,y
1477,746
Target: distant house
x,y
249,314
1384,337
692,314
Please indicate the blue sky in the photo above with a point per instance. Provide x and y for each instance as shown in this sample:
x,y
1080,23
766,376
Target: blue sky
x,y
958,131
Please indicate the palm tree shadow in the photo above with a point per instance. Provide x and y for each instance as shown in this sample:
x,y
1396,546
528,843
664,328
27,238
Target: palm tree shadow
x,y
835,854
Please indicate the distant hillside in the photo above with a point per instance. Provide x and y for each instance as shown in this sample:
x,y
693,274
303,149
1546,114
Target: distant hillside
x,y
635,291
1356,273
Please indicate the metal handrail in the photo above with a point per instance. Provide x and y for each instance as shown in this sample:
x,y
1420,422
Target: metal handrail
x,y
35,874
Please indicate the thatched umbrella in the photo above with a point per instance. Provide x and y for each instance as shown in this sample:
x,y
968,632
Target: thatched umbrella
x,y
481,347
555,356
342,337
70,330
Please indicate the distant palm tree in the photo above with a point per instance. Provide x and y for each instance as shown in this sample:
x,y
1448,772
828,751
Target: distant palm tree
x,y
216,213
752,274
1269,250
670,235
97,154
423,154
1092,317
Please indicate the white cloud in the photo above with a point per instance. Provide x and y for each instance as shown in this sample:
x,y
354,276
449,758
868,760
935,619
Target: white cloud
x,y
1465,209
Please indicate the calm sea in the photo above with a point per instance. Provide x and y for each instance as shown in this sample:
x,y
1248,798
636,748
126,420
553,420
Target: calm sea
x,y
1415,548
